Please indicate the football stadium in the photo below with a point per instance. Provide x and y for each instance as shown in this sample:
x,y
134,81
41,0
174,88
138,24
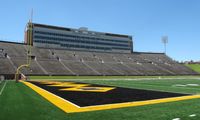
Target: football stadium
x,y
65,73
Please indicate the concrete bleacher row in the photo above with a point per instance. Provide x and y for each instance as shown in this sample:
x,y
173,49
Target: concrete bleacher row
x,y
63,62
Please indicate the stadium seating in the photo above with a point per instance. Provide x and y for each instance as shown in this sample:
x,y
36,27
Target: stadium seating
x,y
34,67
65,62
6,67
80,68
13,50
54,67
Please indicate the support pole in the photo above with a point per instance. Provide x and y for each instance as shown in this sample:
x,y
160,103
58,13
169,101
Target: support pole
x,y
18,71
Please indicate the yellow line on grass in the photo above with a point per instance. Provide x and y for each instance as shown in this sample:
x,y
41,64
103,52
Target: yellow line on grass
x,y
69,107
58,101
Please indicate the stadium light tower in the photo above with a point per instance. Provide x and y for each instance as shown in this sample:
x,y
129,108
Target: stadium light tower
x,y
165,41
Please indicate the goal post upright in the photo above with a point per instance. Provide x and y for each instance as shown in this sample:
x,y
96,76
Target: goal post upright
x,y
28,41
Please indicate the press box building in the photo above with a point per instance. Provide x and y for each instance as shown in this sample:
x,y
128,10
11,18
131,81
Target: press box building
x,y
47,36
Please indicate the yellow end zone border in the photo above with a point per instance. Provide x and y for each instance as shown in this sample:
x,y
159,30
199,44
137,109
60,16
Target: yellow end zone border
x,y
69,107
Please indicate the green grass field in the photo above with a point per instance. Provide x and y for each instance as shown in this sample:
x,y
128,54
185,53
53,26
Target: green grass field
x,y
195,67
18,101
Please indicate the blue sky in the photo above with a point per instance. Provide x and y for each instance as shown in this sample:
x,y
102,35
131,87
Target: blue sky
x,y
146,20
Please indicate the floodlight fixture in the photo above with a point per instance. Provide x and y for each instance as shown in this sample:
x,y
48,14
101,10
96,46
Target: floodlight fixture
x,y
165,41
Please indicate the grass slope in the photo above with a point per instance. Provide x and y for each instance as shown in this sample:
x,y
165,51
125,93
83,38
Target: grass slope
x,y
195,67
20,102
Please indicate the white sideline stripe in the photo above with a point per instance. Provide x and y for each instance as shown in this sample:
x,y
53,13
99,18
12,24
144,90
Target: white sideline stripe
x,y
176,119
192,115
3,88
1,81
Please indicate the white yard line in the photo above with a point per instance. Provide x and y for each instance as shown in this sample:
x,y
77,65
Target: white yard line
x,y
3,88
192,115
176,119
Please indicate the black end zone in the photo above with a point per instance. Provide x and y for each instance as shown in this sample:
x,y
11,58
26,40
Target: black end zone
x,y
116,95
